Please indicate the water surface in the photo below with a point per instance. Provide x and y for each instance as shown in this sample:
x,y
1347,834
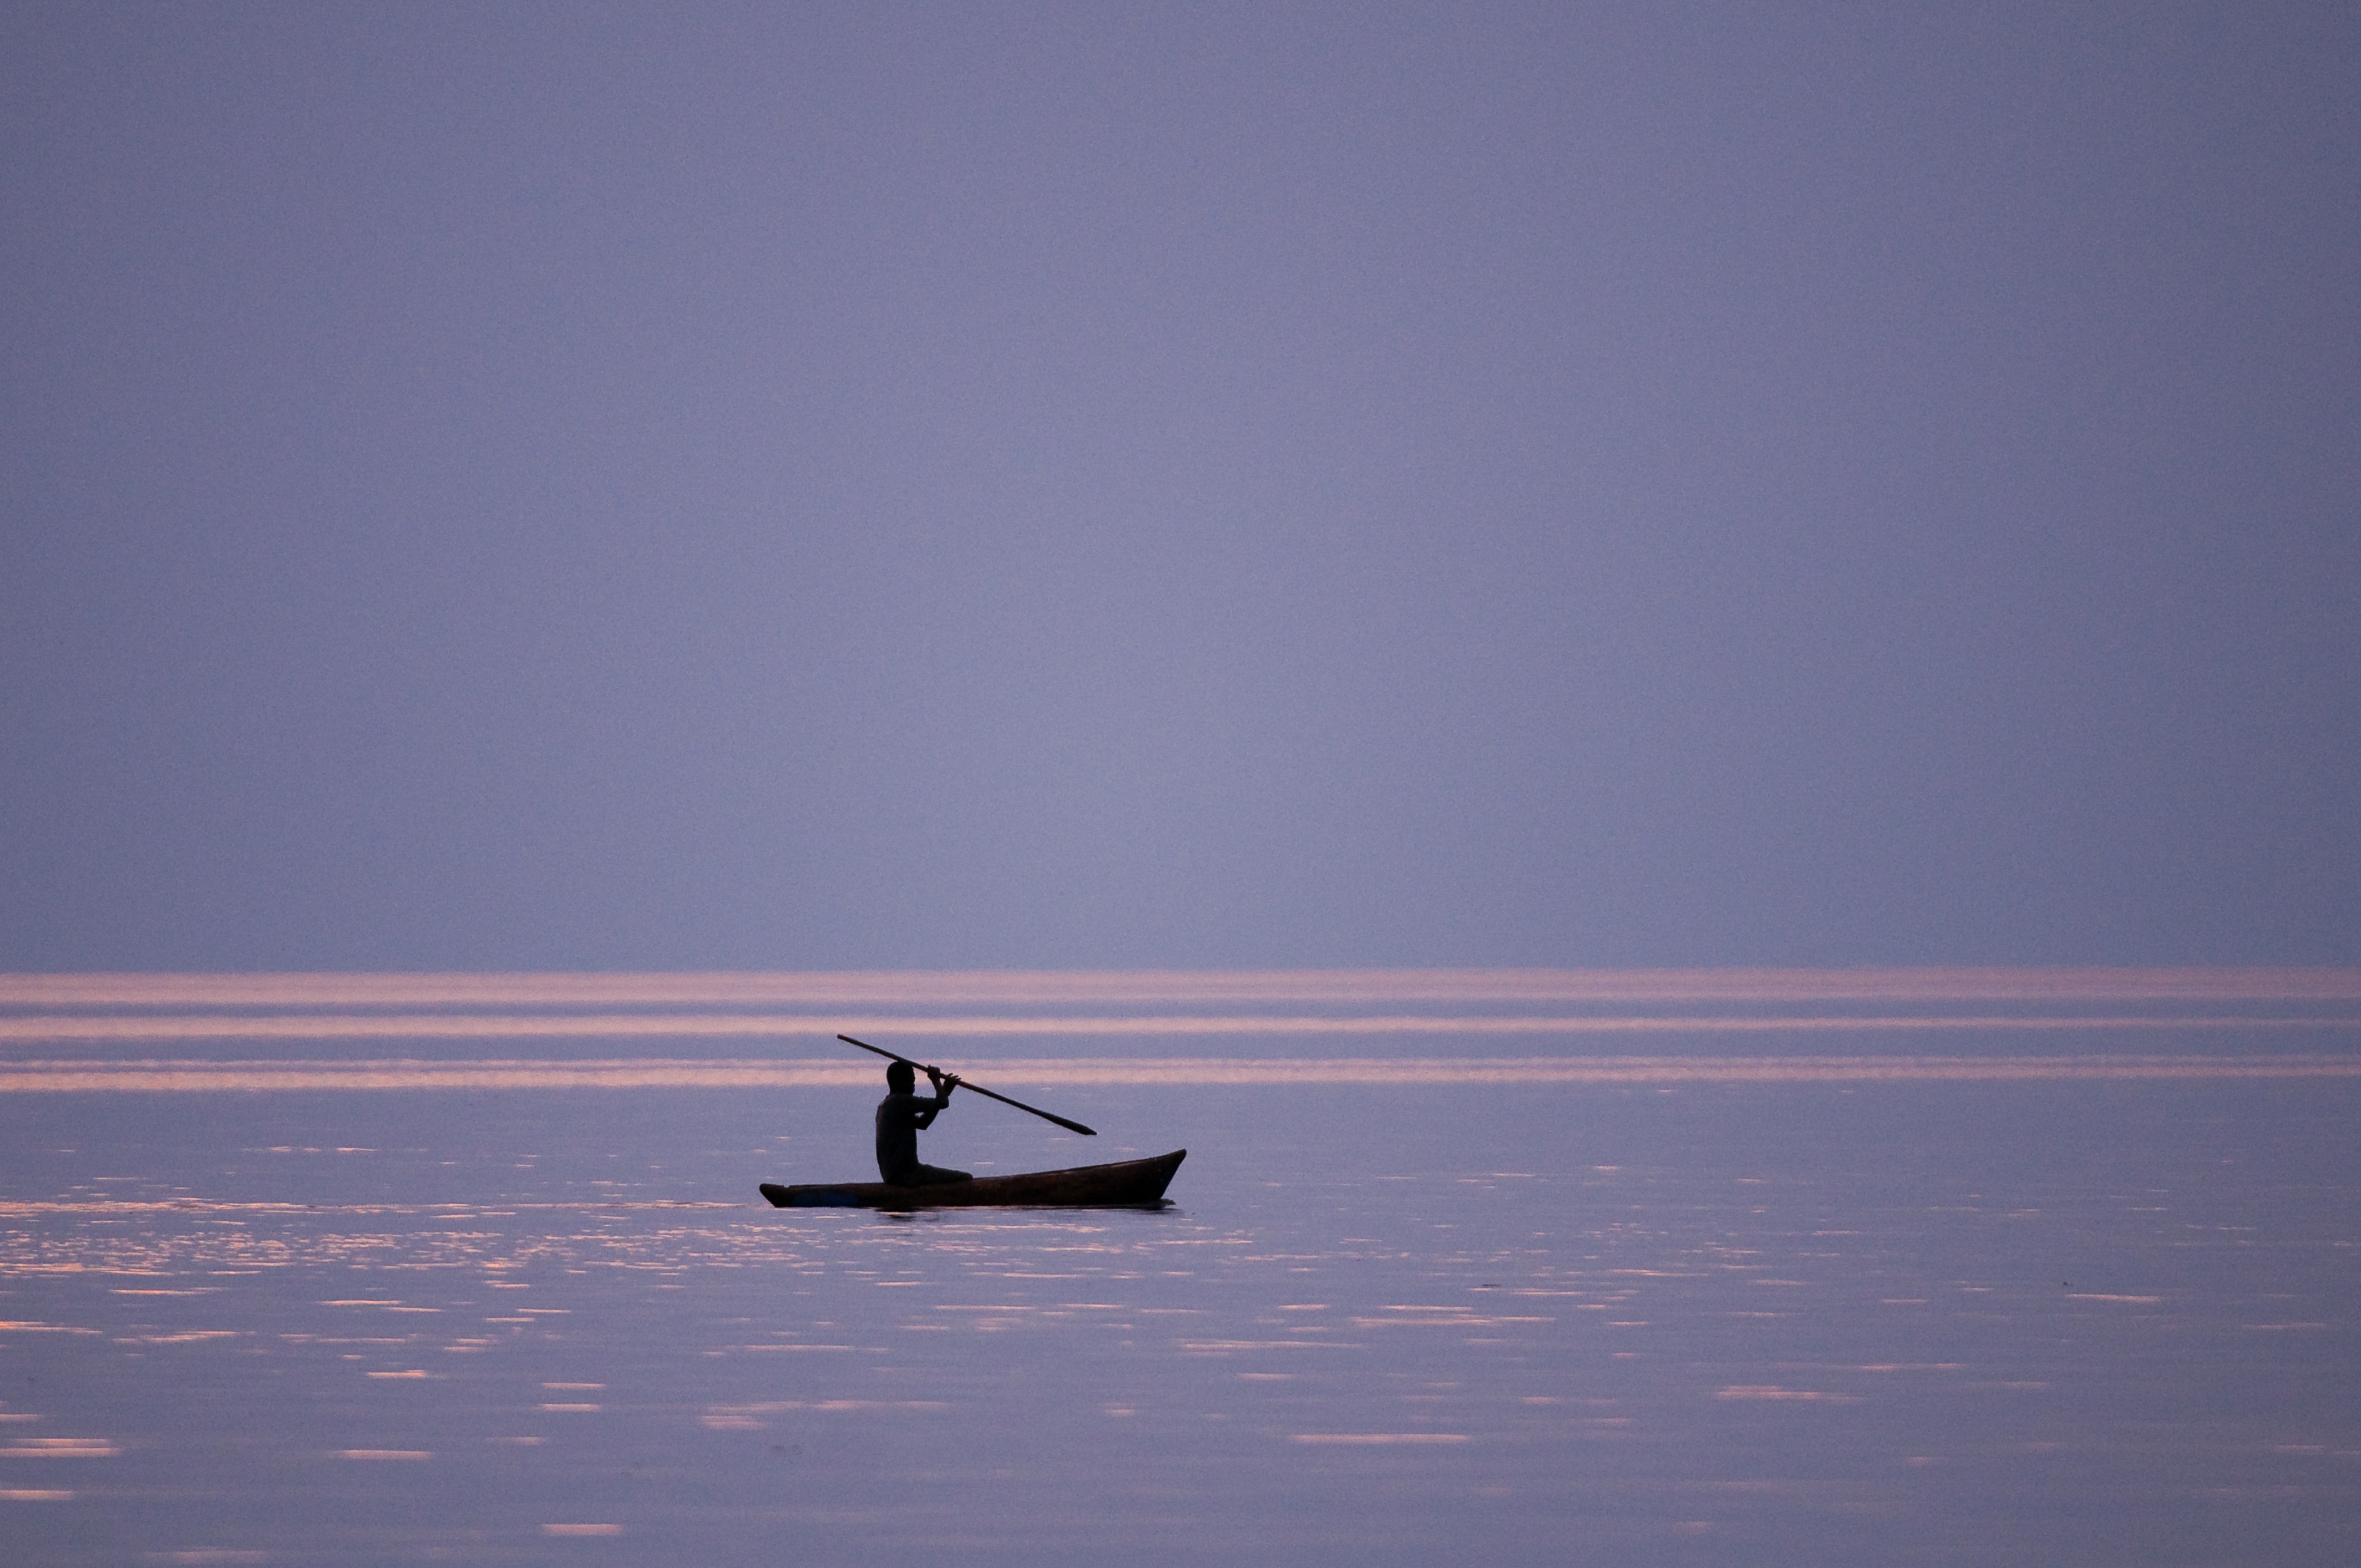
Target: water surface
x,y
1727,1314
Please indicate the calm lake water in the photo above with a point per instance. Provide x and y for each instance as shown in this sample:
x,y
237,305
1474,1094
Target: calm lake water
x,y
2040,1321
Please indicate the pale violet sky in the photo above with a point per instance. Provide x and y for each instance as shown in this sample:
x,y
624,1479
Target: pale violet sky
x,y
869,485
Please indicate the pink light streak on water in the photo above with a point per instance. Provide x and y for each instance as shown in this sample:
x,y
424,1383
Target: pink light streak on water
x,y
660,1074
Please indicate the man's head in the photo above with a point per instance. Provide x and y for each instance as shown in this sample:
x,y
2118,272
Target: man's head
x,y
900,1076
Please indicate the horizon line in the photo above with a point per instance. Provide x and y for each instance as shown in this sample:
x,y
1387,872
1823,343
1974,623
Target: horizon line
x,y
101,1029
1145,987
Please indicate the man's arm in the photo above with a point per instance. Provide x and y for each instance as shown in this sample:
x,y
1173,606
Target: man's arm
x,y
924,1117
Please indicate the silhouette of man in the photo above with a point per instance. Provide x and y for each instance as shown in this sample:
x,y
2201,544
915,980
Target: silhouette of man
x,y
901,1116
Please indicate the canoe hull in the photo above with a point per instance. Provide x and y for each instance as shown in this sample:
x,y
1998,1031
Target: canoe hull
x,y
1130,1183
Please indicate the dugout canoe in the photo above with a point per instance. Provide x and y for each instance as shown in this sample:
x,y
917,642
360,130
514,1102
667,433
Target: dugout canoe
x,y
1129,1183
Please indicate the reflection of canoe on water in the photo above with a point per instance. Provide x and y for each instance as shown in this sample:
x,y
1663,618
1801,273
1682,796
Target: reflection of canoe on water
x,y
1131,1181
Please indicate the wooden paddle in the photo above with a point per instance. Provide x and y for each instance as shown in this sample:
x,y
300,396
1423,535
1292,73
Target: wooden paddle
x,y
963,1083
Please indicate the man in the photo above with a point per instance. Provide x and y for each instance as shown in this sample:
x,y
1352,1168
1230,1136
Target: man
x,y
901,1116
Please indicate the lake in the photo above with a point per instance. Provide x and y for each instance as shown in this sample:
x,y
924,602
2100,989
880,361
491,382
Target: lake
x,y
1421,1302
